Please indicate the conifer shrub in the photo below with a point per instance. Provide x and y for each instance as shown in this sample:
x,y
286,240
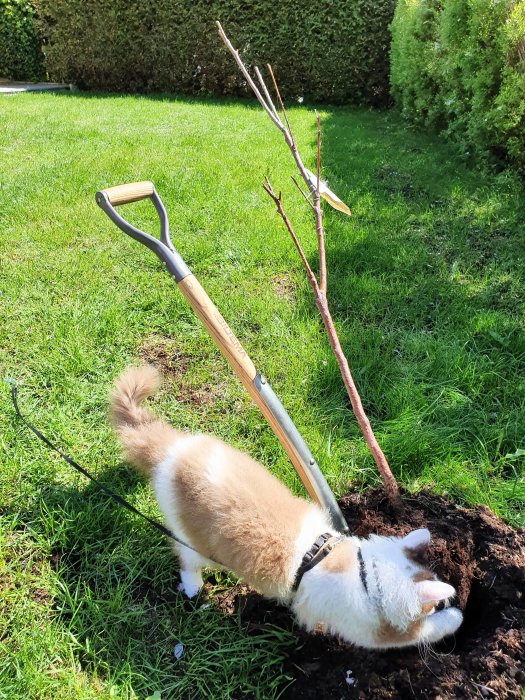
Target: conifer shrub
x,y
324,51
21,55
459,65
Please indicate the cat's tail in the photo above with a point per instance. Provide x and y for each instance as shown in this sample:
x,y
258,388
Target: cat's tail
x,y
143,437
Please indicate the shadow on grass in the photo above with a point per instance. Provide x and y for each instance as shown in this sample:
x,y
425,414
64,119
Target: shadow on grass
x,y
424,283
117,598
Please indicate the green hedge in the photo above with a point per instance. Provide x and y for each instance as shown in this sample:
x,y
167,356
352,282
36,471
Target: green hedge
x,y
20,44
459,65
329,50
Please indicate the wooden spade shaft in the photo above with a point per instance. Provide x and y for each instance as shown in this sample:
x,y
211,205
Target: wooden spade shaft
x,y
256,385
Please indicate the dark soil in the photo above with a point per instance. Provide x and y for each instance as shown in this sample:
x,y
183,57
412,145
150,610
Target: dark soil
x,y
474,551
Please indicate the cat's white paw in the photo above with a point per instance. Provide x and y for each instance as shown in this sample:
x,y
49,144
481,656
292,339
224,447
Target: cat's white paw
x,y
190,583
189,591
441,624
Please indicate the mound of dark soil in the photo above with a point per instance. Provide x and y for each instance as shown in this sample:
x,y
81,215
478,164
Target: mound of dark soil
x,y
471,549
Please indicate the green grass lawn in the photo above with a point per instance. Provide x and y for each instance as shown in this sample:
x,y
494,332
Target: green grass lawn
x,y
426,286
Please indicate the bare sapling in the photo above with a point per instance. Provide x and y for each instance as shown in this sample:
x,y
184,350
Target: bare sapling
x,y
316,189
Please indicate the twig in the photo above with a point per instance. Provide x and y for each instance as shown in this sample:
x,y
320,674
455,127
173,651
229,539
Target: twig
x,y
319,288
318,120
321,302
318,212
484,688
266,92
281,103
275,119
278,203
302,192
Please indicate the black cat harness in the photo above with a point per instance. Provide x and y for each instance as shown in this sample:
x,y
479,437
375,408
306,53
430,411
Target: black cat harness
x,y
320,549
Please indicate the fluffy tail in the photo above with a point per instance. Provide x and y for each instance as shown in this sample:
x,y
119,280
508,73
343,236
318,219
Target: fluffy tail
x,y
130,389
143,437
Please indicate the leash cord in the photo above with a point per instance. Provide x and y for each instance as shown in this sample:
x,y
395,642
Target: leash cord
x,y
118,499
315,554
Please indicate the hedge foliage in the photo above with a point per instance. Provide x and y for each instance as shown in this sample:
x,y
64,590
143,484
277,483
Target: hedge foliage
x,y
459,65
20,44
329,50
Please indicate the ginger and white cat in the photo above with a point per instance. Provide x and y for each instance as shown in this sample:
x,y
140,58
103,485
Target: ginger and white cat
x,y
371,592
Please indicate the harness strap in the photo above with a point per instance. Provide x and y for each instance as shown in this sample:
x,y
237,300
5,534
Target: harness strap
x,y
320,549
362,569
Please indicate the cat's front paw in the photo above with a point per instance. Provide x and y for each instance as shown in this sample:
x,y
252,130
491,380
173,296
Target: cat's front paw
x,y
441,624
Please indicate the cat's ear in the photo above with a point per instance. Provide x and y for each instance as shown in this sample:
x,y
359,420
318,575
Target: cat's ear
x,y
434,591
417,539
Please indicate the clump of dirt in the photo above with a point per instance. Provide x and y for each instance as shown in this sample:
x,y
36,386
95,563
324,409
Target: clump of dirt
x,y
474,551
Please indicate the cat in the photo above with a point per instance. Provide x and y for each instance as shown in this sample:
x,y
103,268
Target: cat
x,y
374,592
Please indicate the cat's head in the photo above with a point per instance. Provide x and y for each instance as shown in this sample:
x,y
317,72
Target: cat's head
x,y
403,592
386,596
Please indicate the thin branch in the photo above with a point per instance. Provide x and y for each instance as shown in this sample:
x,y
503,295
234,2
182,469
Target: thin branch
x,y
389,482
322,305
278,123
318,213
302,192
318,153
249,78
278,203
281,103
321,302
266,92
275,118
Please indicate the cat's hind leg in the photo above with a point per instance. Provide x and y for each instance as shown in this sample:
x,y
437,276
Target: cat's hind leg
x,y
191,565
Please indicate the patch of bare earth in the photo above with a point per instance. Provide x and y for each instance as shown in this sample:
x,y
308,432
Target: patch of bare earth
x,y
173,362
471,548
165,355
283,287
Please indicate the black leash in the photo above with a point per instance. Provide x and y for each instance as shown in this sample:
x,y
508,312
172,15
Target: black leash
x,y
118,499
319,550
